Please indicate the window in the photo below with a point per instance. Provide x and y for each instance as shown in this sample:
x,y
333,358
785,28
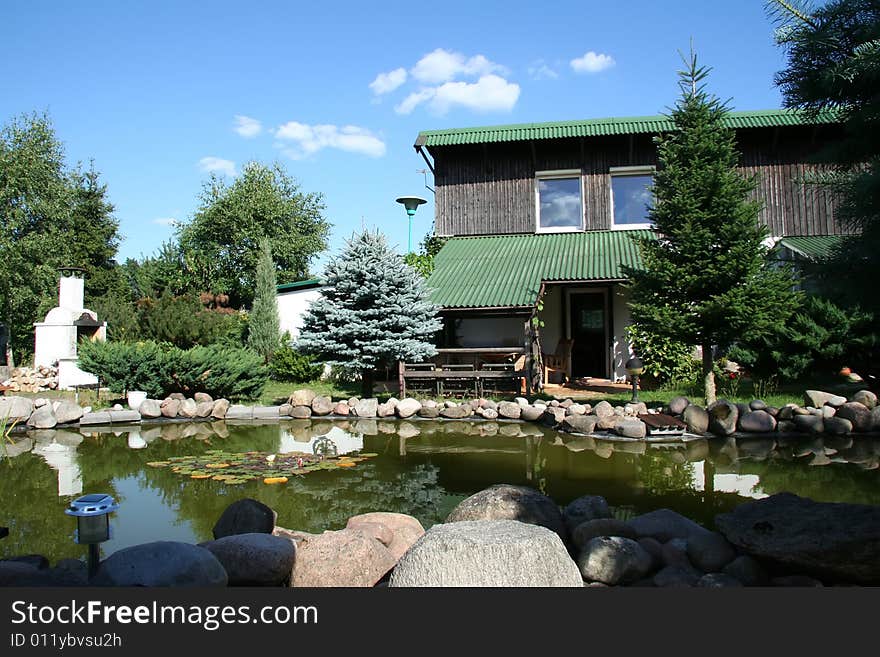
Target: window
x,y
631,196
559,201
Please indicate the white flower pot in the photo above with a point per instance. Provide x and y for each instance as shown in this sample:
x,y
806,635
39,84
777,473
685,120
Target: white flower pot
x,y
136,398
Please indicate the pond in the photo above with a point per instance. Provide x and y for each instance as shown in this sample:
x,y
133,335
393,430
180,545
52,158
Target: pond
x,y
422,468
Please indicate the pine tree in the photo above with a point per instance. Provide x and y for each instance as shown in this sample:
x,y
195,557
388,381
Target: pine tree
x,y
373,311
264,330
706,279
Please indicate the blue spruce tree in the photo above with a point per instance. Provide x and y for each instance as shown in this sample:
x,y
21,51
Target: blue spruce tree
x,y
373,311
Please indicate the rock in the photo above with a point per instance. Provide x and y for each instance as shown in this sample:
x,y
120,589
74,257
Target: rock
x,y
827,412
405,530
508,502
747,570
341,558
239,412
664,525
266,412
614,560
163,563
204,408
866,398
487,553
457,412
489,413
858,414
38,561
838,426
221,406
585,424
123,417
758,405
632,409
374,530
809,423
710,551
429,412
89,419
342,408
301,397
674,553
16,408
385,410
678,404
366,407
17,573
786,412
245,516
590,529
254,559
582,509
150,409
795,580
696,418
407,407
43,418
577,409
718,581
835,540
817,399
722,417
603,409
531,413
631,429
300,412
875,415
170,407
759,421
67,412
188,408
179,396
509,410
676,576
553,416
202,397
786,426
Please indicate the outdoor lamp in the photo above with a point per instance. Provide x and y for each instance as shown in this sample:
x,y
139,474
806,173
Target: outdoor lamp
x,y
411,203
92,513
634,366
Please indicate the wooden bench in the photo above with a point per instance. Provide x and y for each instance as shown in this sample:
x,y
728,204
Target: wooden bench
x,y
450,380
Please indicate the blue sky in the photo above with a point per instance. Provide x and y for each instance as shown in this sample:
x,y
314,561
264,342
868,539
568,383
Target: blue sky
x,y
159,93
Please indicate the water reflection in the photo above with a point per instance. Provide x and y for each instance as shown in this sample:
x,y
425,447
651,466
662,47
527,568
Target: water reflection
x,y
423,468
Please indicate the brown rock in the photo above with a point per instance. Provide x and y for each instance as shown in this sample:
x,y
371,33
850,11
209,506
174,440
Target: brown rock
x,y
341,408
202,397
204,409
220,408
302,397
170,407
346,558
405,529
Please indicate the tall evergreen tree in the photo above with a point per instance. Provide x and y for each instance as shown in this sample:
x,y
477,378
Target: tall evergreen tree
x,y
373,311
264,327
706,279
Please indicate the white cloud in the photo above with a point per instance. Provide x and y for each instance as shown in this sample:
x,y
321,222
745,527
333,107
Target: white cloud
x,y
246,126
165,221
388,82
443,65
489,93
592,62
540,70
217,165
308,139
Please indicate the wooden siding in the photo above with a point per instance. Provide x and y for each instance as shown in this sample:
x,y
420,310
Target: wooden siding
x,y
490,189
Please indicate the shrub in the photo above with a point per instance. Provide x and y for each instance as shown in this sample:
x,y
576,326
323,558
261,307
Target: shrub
x,y
184,321
666,360
290,365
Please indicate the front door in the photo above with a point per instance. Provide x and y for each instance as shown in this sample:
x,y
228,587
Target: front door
x,y
587,327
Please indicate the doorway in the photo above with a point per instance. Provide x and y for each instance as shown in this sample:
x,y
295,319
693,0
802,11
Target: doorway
x,y
588,327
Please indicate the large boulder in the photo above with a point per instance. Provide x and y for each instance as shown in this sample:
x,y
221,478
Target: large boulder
x,y
170,407
487,553
16,408
204,408
150,409
665,525
696,418
830,540
603,409
220,408
43,418
809,423
405,530
865,397
188,408
341,558
630,428
723,416
710,551
366,407
509,410
508,502
818,398
587,507
67,412
531,413
678,404
614,560
245,516
407,407
202,397
301,397
585,424
254,559
322,405
759,421
457,412
163,563
858,414
590,529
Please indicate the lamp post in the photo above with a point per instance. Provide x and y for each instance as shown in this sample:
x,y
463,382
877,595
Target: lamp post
x,y
634,367
92,513
411,203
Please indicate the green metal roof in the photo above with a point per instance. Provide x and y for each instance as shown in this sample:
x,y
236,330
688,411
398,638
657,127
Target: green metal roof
x,y
611,126
298,285
503,271
814,247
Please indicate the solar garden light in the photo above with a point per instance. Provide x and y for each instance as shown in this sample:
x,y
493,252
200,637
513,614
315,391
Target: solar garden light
x,y
92,513
411,203
634,366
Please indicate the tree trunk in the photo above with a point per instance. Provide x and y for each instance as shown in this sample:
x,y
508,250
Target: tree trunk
x,y
366,383
709,374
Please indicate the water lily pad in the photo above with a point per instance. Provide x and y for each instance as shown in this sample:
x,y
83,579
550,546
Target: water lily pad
x,y
275,480
200,476
216,466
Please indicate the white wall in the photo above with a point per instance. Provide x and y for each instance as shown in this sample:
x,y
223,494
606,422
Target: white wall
x,y
292,306
621,350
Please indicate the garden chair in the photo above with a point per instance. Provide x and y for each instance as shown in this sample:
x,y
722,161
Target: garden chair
x,y
558,361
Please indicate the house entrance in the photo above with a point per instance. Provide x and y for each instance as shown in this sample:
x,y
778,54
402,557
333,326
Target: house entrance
x,y
588,327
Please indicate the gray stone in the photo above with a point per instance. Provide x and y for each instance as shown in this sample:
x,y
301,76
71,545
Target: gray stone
x,y
457,412
429,412
489,413
858,414
674,553
67,412
865,397
614,560
696,418
509,410
123,417
221,406
718,581
150,409
43,418
759,421
204,408
16,408
603,409
585,424
809,423
758,405
631,429
386,409
266,412
838,426
487,553
678,404
300,412
508,502
163,563
827,412
577,409
676,576
786,426
89,419
254,559
366,407
245,516
301,397
553,416
405,530
585,508
349,558
664,525
179,396
407,407
786,412
239,412
747,570
710,552
202,397
188,408
821,539
366,426
590,529
817,399
342,408
635,408
170,407
531,413
723,417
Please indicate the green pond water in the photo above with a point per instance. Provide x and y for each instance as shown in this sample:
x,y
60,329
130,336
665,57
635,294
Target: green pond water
x,y
422,468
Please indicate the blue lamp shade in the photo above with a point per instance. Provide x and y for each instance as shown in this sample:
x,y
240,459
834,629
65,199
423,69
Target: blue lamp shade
x,y
92,513
411,203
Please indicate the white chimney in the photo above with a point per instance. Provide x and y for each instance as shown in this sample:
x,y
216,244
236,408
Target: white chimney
x,y
70,293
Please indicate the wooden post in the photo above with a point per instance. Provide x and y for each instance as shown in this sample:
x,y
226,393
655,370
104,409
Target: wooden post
x,y
528,348
401,379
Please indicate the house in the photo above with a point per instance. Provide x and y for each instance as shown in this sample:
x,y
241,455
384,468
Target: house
x,y
293,301
540,218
